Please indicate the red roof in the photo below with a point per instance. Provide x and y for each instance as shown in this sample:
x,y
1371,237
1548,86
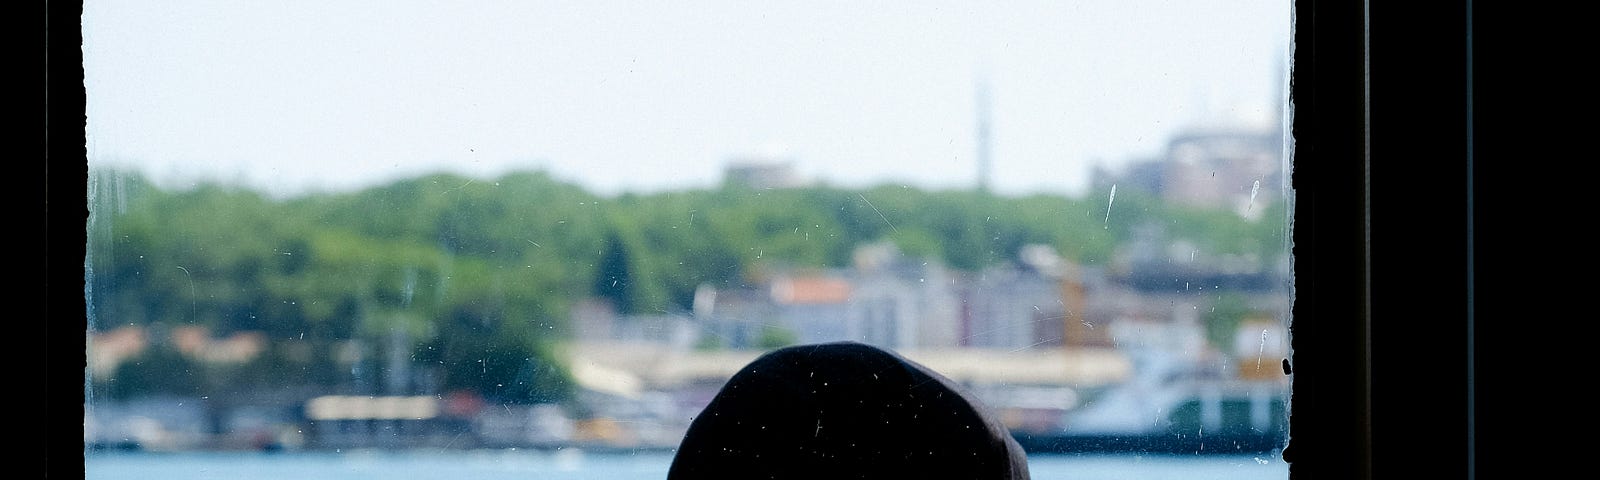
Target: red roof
x,y
811,290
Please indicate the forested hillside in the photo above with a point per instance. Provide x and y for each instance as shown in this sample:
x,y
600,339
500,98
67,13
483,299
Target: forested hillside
x,y
473,278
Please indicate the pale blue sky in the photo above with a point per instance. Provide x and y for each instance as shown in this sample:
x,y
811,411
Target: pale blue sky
x,y
635,95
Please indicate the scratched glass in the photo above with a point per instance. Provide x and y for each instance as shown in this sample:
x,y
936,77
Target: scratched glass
x,y
354,227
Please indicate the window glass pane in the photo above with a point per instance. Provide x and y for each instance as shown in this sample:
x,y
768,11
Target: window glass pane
x,y
503,238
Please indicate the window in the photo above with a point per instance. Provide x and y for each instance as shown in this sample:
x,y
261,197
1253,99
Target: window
x,y
682,309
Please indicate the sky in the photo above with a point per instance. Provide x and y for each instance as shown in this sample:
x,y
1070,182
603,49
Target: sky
x,y
299,96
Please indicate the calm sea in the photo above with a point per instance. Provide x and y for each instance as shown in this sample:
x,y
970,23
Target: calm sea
x,y
575,465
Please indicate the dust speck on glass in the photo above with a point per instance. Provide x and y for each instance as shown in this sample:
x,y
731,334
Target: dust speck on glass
x,y
514,237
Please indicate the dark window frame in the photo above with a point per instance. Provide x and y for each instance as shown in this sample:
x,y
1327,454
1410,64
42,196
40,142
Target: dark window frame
x,y
1383,359
1378,112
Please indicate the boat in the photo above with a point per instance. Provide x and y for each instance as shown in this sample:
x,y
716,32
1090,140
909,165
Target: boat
x,y
1171,408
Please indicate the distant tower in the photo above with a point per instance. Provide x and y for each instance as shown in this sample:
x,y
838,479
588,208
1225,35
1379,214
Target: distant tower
x,y
984,161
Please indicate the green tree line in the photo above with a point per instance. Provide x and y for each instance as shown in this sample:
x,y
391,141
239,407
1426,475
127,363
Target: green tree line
x,y
476,277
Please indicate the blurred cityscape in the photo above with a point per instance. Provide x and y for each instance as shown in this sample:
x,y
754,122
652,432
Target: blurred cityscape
x,y
1060,349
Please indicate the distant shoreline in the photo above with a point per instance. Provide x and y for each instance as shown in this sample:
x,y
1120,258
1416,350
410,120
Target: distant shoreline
x,y
1151,444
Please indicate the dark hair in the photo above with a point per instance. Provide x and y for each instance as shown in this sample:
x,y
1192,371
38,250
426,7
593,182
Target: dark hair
x,y
845,410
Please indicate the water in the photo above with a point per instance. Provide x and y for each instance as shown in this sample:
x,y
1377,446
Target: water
x,y
575,465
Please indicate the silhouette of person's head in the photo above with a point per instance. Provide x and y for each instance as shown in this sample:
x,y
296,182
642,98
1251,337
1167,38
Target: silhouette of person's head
x,y
844,410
